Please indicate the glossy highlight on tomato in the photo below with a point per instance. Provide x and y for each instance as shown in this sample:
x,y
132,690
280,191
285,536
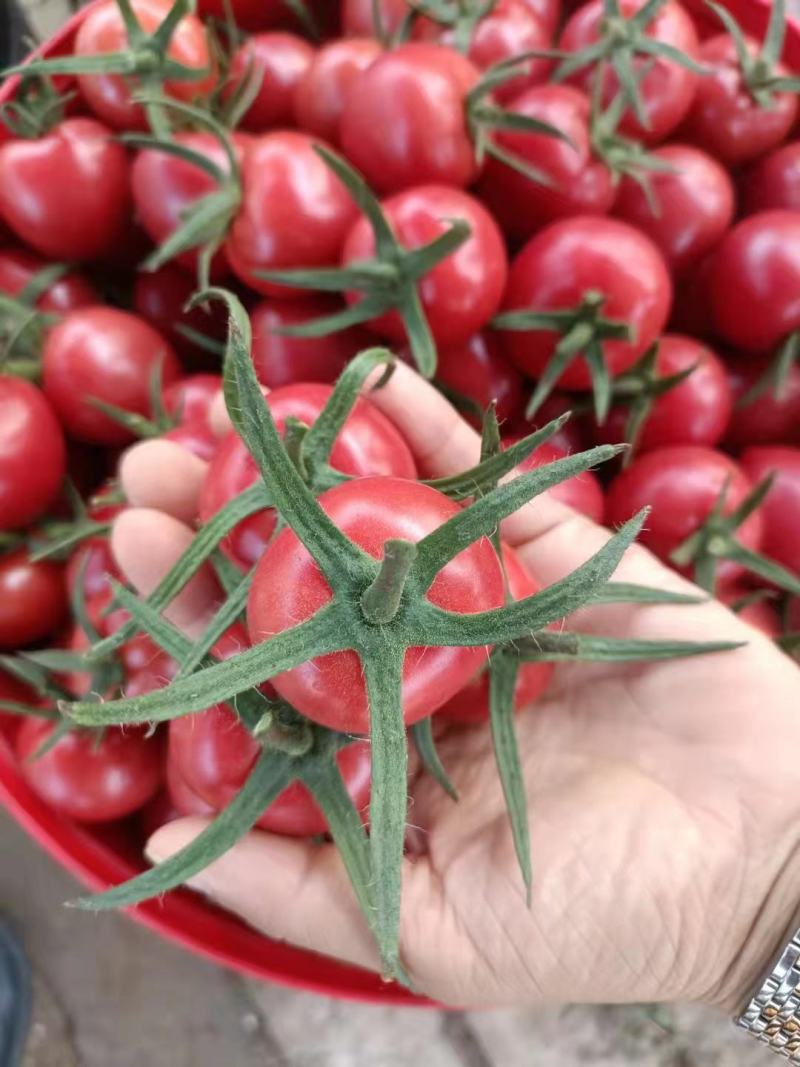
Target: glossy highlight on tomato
x,y
320,95
33,599
280,61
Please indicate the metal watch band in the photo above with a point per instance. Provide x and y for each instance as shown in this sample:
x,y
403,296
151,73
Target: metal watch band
x,y
773,1015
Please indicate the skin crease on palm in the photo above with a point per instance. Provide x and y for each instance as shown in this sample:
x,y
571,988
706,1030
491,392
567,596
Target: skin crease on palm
x,y
664,799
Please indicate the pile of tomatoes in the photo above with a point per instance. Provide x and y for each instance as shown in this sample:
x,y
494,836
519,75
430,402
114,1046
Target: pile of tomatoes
x,y
589,207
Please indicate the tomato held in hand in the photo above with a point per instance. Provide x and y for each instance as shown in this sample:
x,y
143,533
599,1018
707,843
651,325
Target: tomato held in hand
x,y
33,599
578,256
582,493
773,182
283,360
725,119
83,214
321,93
295,212
471,704
404,123
288,588
107,354
681,485
463,291
110,95
280,61
160,296
32,454
667,89
781,507
773,418
18,268
755,281
580,182
213,753
368,444
693,205
479,371
89,776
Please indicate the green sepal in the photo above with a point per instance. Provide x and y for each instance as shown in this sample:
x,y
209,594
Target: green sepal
x,y
422,735
550,646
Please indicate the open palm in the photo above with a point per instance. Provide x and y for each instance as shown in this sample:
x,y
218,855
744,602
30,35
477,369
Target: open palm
x,y
664,799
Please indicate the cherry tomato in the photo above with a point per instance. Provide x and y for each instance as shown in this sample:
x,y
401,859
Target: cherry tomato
x,y
89,776
508,29
471,704
774,181
781,507
196,437
108,354
724,119
404,123
463,291
249,14
282,360
358,17
173,802
213,753
582,493
772,418
480,371
694,205
682,484
581,183
189,399
33,599
110,95
18,268
755,279
13,690
288,588
321,92
160,296
666,90
82,215
93,557
571,258
281,61
694,412
368,444
165,188
32,455
295,212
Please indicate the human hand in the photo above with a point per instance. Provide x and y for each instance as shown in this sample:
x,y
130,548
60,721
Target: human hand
x,y
664,798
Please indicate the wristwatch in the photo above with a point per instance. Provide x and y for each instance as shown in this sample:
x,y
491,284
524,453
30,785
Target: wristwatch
x,y
773,1015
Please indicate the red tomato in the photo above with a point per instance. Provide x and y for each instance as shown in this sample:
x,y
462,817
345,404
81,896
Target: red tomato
x,y
368,444
667,90
358,17
89,776
189,399
772,418
213,753
33,599
571,258
581,183
82,215
695,205
682,484
99,563
32,455
781,507
160,297
773,182
321,92
173,802
109,95
165,188
582,493
508,29
288,588
471,704
480,371
18,268
105,353
196,437
295,212
13,690
695,412
281,60
462,292
725,120
405,124
755,280
282,360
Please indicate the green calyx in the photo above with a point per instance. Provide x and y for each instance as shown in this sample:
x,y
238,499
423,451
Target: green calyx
x,y
378,609
36,108
583,331
621,44
716,541
389,282
23,326
775,378
461,16
759,70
